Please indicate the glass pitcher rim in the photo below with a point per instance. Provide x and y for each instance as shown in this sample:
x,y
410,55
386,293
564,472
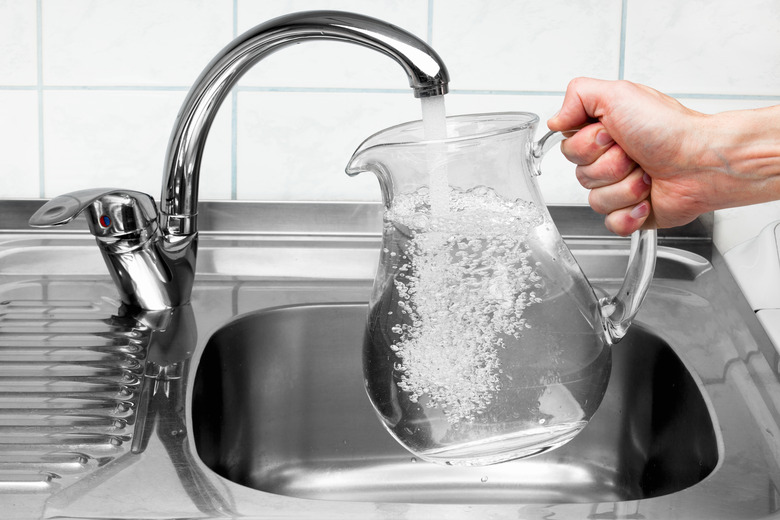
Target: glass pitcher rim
x,y
513,121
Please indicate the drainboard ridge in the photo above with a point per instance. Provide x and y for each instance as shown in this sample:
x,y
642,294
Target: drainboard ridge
x,y
70,375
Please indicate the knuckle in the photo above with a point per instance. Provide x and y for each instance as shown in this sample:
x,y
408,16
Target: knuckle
x,y
639,189
582,177
611,172
575,83
581,148
619,224
624,86
572,152
617,165
597,203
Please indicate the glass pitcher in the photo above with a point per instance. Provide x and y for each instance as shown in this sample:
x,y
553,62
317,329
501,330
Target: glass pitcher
x,y
484,340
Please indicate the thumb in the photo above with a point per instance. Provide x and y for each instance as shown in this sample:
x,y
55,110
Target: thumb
x,y
581,104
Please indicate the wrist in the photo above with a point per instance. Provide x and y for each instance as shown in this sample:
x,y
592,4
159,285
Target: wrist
x,y
743,155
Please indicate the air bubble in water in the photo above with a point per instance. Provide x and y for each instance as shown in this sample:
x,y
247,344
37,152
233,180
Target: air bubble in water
x,y
464,286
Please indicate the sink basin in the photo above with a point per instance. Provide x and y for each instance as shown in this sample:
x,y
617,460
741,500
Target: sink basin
x,y
293,419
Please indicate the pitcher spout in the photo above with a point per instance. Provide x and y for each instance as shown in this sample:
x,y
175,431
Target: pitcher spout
x,y
371,159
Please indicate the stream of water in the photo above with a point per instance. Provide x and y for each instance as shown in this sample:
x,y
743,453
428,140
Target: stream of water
x,y
435,129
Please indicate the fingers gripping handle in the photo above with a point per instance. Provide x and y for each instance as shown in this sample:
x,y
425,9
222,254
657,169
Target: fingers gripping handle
x,y
618,311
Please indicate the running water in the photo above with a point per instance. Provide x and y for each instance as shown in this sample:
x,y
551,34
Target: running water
x,y
435,129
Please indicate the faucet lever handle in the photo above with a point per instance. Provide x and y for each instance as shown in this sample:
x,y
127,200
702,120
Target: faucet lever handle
x,y
112,213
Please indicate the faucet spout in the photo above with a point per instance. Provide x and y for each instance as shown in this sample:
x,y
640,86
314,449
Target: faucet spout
x,y
179,200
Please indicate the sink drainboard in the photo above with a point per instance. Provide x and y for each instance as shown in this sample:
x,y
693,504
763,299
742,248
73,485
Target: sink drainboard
x,y
69,379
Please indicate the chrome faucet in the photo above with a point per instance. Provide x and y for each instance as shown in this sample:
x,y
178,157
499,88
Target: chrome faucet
x,y
151,256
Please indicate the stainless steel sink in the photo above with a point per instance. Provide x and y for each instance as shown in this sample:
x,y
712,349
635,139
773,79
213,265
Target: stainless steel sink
x,y
287,387
259,410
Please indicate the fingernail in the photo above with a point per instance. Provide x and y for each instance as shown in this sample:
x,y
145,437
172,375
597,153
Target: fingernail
x,y
603,138
641,210
647,179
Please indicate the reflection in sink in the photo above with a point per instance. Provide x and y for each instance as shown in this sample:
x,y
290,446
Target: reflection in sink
x,y
279,405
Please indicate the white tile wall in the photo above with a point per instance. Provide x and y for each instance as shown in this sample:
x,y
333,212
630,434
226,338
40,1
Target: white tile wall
x,y
19,143
117,139
295,145
89,90
527,45
18,41
705,46
139,43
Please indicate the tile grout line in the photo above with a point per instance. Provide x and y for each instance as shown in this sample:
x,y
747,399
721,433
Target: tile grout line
x,y
623,24
39,89
139,88
731,97
324,90
347,90
429,35
234,145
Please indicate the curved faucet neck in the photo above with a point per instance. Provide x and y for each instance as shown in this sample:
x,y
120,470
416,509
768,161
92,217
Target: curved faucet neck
x,y
427,75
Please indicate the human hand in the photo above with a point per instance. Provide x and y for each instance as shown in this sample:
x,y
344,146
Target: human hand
x,y
638,151
651,162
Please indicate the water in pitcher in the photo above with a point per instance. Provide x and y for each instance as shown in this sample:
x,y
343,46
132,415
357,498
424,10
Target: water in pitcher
x,y
485,341
465,365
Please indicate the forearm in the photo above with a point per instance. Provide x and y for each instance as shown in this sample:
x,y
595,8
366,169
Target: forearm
x,y
745,147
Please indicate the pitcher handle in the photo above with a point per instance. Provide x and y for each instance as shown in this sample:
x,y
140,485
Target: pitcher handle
x,y
618,311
